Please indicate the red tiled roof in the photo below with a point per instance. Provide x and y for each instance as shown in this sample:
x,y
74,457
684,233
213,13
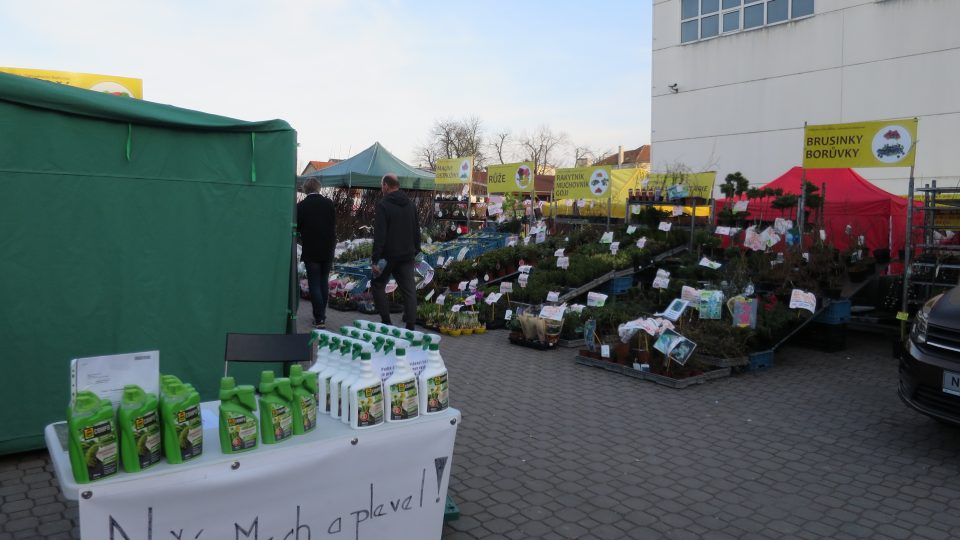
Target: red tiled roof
x,y
317,165
638,155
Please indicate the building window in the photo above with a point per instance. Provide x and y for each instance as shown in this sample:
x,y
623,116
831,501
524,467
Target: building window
x,y
704,19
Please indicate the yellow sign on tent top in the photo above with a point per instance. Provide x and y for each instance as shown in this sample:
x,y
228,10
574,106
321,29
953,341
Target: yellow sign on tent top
x,y
886,143
111,84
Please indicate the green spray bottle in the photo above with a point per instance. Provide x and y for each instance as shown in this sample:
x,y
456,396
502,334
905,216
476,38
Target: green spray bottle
x,y
238,424
139,422
304,399
93,438
276,417
182,427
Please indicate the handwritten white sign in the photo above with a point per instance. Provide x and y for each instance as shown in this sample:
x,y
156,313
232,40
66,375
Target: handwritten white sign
x,y
470,300
440,299
553,296
595,299
740,206
607,237
506,286
677,211
803,300
553,313
558,253
563,262
614,247
709,264
631,229
642,242
665,226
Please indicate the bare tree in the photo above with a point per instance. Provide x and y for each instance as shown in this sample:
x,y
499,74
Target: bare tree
x,y
500,144
586,156
543,147
452,139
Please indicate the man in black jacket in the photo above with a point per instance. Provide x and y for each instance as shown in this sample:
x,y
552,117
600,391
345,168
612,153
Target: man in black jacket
x,y
317,225
396,241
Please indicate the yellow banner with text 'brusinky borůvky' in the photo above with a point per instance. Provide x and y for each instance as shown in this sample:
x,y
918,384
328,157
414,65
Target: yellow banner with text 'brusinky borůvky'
x,y
885,143
120,86
456,171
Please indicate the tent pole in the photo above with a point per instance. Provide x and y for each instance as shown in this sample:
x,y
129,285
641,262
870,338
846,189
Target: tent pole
x,y
907,249
802,206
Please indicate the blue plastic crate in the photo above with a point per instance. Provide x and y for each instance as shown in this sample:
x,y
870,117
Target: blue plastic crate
x,y
619,285
760,361
837,312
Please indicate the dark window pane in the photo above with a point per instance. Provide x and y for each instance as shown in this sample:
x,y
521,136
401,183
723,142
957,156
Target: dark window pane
x,y
730,3
802,8
689,9
688,31
753,16
776,11
709,6
731,21
709,26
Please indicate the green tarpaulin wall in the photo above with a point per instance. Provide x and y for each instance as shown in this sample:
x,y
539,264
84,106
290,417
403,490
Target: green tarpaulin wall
x,y
129,226
366,169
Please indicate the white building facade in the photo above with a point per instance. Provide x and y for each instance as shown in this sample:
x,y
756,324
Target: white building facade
x,y
735,80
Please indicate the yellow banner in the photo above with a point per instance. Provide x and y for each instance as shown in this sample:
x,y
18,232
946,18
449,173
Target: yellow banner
x,y
582,183
457,171
510,178
121,86
674,186
888,143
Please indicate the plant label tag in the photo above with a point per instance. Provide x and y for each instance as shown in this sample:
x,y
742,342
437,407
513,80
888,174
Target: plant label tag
x,y
526,240
563,262
506,287
803,300
709,264
429,295
512,241
823,235
525,268
558,253
456,308
806,257
440,260
614,247
607,237
470,300
508,314
473,284
553,313
541,237
440,299
665,226
553,296
522,280
635,209
605,351
492,298
462,286
392,286
723,231
903,316
642,242
595,299
740,206
631,229
677,211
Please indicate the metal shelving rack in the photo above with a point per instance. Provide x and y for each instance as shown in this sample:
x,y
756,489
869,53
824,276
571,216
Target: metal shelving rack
x,y
917,272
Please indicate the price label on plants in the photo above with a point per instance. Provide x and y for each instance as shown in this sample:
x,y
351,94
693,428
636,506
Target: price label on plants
x,y
740,206
709,264
803,300
429,295
553,313
522,280
631,229
506,287
605,351
473,283
440,299
470,300
541,237
563,262
642,242
526,240
553,296
462,286
456,308
607,237
665,226
525,268
723,231
635,209
576,308
492,298
558,253
614,247
690,294
440,260
595,299
391,286
508,314
677,211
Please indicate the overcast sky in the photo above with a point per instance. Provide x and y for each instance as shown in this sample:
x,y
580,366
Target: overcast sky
x,y
345,74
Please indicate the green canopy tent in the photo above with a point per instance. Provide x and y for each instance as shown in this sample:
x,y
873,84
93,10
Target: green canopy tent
x,y
132,226
366,169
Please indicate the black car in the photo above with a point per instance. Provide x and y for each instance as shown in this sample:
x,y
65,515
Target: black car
x,y
930,363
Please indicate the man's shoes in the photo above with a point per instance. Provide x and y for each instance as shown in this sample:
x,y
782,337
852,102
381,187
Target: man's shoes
x,y
322,325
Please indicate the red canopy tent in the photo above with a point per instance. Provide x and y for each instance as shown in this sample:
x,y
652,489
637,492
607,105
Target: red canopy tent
x,y
849,199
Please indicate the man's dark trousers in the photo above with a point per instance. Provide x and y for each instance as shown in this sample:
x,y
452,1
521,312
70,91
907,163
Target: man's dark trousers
x,y
318,280
403,273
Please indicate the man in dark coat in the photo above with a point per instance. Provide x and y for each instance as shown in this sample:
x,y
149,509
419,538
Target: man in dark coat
x,y
396,242
317,225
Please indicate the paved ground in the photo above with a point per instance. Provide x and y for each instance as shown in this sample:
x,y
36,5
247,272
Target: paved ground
x,y
819,447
